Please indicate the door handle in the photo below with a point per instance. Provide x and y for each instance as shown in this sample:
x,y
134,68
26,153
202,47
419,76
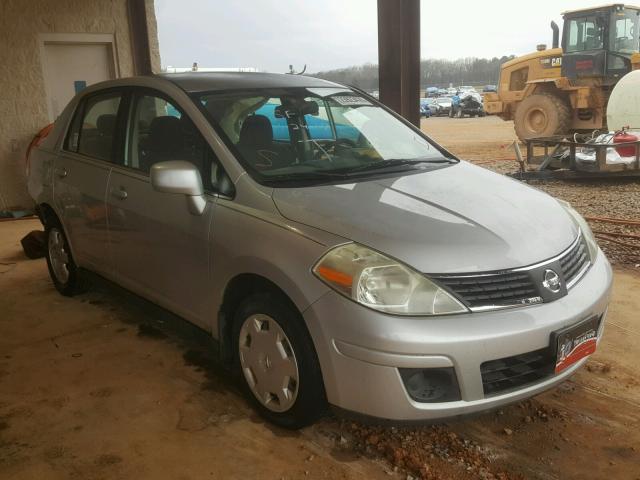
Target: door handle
x,y
61,172
120,193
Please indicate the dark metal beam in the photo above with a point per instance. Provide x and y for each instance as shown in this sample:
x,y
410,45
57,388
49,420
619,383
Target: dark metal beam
x,y
139,31
399,56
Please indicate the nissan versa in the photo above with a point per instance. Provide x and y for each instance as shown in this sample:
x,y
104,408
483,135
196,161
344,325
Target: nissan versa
x,y
336,253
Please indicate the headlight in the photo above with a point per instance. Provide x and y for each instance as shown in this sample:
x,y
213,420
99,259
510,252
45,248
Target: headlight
x,y
378,282
582,224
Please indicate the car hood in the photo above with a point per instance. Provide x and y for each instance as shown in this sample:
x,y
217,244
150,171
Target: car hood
x,y
460,218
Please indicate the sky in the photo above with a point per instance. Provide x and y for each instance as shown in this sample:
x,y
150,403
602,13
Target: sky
x,y
270,35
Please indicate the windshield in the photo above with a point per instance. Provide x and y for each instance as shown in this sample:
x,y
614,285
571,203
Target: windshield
x,y
624,31
284,134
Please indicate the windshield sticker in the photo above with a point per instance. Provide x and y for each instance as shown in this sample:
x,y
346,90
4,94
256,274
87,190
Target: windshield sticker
x,y
350,100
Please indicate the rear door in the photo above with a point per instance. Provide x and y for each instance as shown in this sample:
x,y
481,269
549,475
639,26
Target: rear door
x,y
161,251
81,174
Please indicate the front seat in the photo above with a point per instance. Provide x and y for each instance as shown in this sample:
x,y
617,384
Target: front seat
x,y
165,142
257,146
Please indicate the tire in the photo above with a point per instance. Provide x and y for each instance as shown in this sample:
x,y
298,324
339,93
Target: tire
x,y
259,322
62,268
542,115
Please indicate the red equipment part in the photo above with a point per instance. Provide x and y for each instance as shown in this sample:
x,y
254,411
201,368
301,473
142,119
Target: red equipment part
x,y
625,150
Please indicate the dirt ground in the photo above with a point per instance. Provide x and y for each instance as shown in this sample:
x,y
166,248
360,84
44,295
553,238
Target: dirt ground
x,y
106,386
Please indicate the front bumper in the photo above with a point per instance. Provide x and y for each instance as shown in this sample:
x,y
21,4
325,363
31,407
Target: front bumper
x,y
361,350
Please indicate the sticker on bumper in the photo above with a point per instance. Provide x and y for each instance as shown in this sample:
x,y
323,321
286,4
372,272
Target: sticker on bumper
x,y
576,343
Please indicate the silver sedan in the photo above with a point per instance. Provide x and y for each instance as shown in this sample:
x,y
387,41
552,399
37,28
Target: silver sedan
x,y
336,253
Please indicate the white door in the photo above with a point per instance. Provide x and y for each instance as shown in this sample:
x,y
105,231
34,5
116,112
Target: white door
x,y
70,67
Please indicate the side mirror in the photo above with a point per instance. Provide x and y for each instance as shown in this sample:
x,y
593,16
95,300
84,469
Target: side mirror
x,y
181,178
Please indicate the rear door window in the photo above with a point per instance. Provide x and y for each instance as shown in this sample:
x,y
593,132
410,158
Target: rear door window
x,y
93,130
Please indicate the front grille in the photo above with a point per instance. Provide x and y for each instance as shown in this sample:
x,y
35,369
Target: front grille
x,y
574,261
521,286
490,289
517,371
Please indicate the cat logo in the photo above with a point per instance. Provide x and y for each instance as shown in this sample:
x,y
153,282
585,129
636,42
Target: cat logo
x,y
551,62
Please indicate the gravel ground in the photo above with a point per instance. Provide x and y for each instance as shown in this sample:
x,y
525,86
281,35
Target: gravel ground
x,y
487,142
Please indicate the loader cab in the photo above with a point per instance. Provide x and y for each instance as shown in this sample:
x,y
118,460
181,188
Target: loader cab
x,y
599,42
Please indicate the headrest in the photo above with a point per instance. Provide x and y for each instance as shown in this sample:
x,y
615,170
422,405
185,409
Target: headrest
x,y
256,131
165,133
106,124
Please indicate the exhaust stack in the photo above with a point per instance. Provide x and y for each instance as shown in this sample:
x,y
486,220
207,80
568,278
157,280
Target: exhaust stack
x,y
556,35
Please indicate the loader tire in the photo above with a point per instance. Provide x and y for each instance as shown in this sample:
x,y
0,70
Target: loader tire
x,y
542,115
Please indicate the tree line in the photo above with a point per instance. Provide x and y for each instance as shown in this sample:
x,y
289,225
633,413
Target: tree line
x,y
433,73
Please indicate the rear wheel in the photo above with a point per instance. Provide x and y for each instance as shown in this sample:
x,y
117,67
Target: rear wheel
x,y
62,268
277,362
542,115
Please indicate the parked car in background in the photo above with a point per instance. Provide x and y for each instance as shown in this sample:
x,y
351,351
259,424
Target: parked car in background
x,y
466,88
349,261
425,107
467,103
431,91
451,91
489,88
444,105
442,91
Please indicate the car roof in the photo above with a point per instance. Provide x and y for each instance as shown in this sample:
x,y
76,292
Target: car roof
x,y
193,82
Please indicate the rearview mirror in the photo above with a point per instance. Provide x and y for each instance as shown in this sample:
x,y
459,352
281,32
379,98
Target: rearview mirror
x,y
308,107
180,177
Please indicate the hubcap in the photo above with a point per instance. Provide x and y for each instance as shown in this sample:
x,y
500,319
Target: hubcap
x,y
537,120
268,362
58,256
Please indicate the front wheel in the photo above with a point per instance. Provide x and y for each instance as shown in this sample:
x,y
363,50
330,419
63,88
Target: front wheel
x,y
277,362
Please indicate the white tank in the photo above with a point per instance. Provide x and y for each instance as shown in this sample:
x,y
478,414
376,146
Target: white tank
x,y
624,103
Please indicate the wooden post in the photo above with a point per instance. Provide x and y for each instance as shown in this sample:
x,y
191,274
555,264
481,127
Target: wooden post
x,y
139,32
399,56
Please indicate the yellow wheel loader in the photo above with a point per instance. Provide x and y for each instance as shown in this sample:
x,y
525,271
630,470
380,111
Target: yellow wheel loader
x,y
565,89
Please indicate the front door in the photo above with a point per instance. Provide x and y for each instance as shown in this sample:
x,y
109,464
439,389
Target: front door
x,y
81,174
160,249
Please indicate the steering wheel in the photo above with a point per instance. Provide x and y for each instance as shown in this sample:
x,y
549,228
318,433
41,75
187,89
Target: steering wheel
x,y
322,153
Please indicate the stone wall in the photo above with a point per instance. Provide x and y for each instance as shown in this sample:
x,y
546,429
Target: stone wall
x,y
23,104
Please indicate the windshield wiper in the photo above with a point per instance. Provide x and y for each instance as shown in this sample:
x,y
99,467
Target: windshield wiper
x,y
303,176
395,162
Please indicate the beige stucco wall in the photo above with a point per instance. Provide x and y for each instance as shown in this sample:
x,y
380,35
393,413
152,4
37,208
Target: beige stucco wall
x,y
23,105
